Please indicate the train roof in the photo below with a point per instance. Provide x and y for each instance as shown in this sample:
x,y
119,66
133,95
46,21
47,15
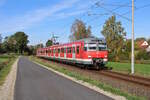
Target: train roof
x,y
85,40
93,39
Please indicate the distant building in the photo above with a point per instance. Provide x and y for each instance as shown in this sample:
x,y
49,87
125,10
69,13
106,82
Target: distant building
x,y
148,49
142,44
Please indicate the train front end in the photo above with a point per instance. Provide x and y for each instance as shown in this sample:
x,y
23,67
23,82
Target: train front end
x,y
95,49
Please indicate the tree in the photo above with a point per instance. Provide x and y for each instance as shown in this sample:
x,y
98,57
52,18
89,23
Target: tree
x,y
49,43
148,41
9,44
79,30
142,55
140,39
1,44
0,38
115,36
21,41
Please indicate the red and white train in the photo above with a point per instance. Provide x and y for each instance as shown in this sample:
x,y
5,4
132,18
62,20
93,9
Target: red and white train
x,y
88,52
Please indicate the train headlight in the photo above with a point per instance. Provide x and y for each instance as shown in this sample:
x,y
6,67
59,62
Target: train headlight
x,y
105,60
89,56
105,56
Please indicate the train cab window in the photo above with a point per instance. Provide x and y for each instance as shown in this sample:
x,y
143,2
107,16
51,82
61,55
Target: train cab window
x,y
102,48
85,48
77,50
92,48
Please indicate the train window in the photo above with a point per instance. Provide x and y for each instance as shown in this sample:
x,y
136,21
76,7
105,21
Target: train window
x,y
62,50
102,48
69,50
92,48
49,51
55,50
85,48
77,50
58,50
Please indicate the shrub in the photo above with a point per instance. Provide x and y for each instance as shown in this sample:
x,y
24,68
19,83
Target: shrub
x,y
142,55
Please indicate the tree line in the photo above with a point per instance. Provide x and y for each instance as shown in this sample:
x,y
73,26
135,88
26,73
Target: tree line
x,y
119,46
16,43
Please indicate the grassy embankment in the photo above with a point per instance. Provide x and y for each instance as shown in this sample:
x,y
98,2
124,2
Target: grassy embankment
x,y
6,62
140,69
87,79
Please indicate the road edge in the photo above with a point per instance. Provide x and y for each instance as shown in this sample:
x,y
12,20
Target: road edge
x,y
88,85
7,89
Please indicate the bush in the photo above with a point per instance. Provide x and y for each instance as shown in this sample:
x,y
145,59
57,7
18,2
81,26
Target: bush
x,y
142,55
111,56
124,56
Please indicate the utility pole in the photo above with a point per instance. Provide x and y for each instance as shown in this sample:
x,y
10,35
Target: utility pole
x,y
132,59
40,43
54,39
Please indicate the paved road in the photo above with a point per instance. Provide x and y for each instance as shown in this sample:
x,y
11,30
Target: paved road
x,y
36,83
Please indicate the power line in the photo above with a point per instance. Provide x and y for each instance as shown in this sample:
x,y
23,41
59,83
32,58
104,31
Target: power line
x,y
109,11
138,8
112,12
120,6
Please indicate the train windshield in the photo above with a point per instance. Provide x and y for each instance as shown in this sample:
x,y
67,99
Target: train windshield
x,y
95,47
102,48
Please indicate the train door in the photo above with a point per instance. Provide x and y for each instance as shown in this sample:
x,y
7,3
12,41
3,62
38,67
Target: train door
x,y
78,51
65,52
54,52
73,52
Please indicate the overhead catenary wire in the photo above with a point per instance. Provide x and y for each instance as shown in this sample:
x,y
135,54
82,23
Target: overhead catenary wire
x,y
120,6
109,12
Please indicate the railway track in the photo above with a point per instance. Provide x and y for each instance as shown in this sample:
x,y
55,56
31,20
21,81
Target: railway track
x,y
116,75
130,78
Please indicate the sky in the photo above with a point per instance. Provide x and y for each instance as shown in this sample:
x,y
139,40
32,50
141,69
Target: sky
x,y
39,19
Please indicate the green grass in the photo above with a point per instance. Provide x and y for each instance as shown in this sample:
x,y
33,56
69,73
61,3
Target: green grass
x,y
8,60
87,79
4,58
140,69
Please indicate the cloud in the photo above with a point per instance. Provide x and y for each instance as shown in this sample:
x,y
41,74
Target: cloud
x,y
34,17
2,2
63,15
